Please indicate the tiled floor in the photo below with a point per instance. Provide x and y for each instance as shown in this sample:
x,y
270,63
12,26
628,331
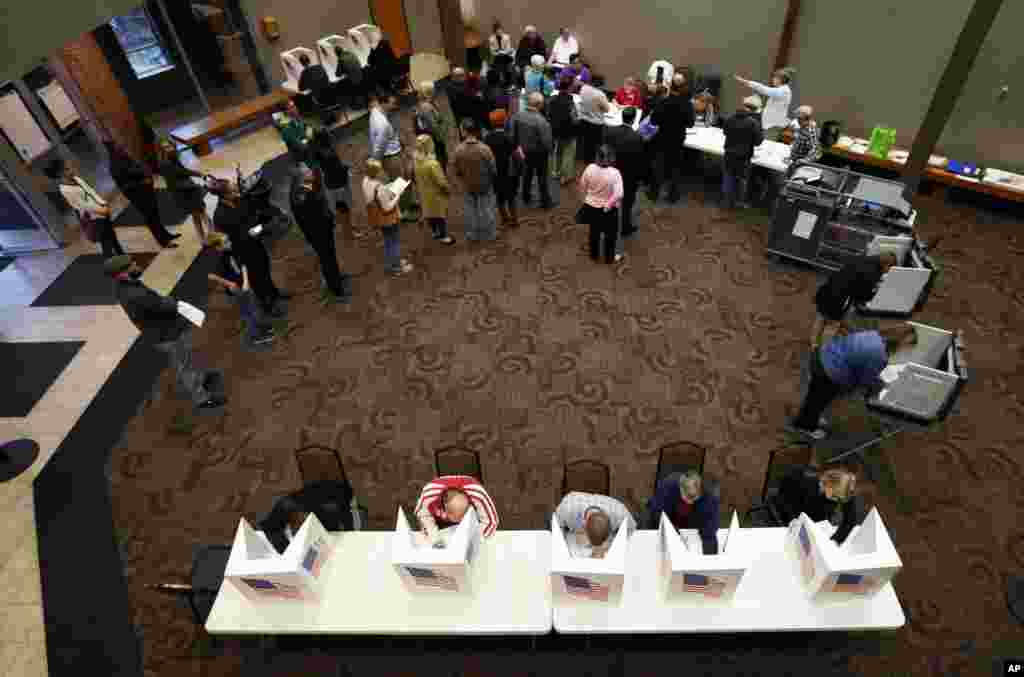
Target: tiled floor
x,y
108,334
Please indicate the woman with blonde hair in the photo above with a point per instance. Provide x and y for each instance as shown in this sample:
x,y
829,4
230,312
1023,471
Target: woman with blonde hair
x,y
434,189
829,496
432,121
382,212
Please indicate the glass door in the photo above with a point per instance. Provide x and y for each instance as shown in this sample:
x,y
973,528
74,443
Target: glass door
x,y
22,229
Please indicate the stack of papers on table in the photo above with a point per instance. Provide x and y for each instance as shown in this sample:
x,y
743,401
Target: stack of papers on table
x,y
1004,179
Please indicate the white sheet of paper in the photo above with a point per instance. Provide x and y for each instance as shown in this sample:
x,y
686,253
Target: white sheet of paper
x,y
892,372
805,222
191,313
807,174
398,186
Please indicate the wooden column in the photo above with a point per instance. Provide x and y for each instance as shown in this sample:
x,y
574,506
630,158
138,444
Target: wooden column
x,y
972,37
86,65
788,31
454,32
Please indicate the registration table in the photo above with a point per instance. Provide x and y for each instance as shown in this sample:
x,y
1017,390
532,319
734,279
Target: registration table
x,y
769,599
711,140
365,596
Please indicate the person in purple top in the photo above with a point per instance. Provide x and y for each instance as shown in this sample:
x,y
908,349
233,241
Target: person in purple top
x,y
842,365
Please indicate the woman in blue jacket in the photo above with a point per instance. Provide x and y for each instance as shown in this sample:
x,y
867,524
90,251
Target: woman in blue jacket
x,y
689,502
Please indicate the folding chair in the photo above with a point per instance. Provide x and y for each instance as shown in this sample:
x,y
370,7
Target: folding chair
x,y
781,461
458,461
318,463
590,477
679,457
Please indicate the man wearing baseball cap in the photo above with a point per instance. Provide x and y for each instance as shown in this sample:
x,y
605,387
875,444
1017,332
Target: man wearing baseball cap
x,y
161,325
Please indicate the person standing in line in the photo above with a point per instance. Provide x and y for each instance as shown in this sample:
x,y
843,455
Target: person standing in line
x,y
742,135
601,189
336,181
382,212
137,185
433,186
631,161
509,167
476,170
593,105
232,276
92,210
386,148
673,116
432,121
162,326
531,135
564,120
294,131
189,195
779,95
316,221
233,218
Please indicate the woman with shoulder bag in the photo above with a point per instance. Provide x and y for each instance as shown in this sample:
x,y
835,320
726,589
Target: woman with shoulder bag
x,y
92,210
382,212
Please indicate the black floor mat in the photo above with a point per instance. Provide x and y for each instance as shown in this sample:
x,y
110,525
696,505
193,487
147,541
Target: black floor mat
x,y
29,370
84,283
171,213
5,261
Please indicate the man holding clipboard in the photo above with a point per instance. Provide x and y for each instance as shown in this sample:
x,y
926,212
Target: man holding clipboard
x,y
166,323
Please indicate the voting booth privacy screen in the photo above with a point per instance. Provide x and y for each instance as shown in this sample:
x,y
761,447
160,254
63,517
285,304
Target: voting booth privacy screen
x,y
426,569
858,568
263,575
586,578
688,574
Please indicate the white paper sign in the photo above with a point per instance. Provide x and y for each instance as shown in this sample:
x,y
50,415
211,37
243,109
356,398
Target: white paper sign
x,y
805,222
191,313
892,372
398,186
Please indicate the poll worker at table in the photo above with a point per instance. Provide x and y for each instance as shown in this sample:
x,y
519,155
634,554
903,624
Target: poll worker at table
x,y
529,45
631,161
742,135
502,51
564,119
330,500
628,95
673,116
591,521
313,78
689,503
853,285
162,326
830,496
446,500
660,73
576,69
779,98
564,47
704,111
843,365
806,146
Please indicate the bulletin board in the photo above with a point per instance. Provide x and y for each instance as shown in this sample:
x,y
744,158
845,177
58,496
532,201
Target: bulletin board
x,y
20,128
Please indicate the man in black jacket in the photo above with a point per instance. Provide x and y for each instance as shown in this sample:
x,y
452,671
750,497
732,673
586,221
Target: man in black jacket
x,y
673,116
316,221
855,284
631,161
331,501
136,183
161,325
742,135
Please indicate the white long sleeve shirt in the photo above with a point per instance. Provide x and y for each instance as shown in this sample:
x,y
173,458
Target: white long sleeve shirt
x,y
563,49
84,199
776,111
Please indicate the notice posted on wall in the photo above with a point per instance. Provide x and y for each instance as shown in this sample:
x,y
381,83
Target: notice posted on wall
x,y
805,222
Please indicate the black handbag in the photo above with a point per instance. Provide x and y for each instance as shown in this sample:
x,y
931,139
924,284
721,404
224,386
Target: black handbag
x,y
581,214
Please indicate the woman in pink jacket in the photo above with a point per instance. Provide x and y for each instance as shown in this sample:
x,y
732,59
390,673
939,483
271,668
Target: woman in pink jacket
x,y
601,189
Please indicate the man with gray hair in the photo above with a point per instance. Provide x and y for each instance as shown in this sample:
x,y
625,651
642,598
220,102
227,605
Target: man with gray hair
x,y
592,521
742,135
689,503
531,136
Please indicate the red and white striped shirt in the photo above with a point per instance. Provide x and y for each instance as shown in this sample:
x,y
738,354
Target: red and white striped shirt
x,y
430,507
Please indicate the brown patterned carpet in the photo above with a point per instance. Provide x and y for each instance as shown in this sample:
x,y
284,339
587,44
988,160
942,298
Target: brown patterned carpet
x,y
526,351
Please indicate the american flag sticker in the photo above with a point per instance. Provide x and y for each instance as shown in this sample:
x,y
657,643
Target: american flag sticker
x,y
274,589
429,578
806,559
855,583
578,586
312,561
709,586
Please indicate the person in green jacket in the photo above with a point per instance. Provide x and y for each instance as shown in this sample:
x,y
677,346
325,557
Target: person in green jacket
x,y
294,131
433,188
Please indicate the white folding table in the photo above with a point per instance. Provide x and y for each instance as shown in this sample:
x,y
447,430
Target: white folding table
x,y
770,598
366,597
770,154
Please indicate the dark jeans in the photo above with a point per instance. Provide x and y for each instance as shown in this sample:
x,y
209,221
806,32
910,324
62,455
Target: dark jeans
x,y
820,394
438,228
591,136
670,151
734,181
145,200
106,237
441,153
248,308
629,188
603,225
254,257
537,163
190,379
321,237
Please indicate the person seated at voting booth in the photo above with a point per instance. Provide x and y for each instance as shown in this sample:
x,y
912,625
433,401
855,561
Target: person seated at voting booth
x,y
590,521
830,496
843,365
855,284
689,502
330,500
445,500
313,78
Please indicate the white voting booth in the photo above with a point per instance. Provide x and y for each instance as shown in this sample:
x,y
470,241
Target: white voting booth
x,y
588,578
293,67
860,567
687,573
257,570
424,568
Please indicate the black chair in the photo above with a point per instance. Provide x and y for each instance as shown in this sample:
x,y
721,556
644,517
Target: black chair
x,y
318,463
458,461
589,477
204,582
679,457
781,462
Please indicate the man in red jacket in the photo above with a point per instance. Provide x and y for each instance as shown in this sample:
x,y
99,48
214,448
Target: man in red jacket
x,y
447,499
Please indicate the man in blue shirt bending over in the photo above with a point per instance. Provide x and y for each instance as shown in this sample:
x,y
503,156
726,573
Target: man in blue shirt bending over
x,y
842,365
